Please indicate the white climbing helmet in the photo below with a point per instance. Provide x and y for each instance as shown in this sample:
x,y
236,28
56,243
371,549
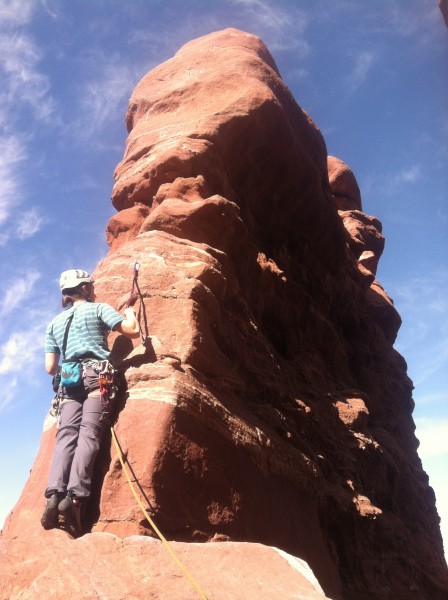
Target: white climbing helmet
x,y
72,278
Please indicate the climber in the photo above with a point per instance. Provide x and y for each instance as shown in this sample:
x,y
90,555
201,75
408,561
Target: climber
x,y
78,335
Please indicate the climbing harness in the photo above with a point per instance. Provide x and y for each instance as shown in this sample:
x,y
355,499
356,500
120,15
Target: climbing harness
x,y
134,295
55,410
151,522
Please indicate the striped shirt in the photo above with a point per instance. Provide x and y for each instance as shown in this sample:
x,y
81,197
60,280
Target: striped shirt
x,y
87,336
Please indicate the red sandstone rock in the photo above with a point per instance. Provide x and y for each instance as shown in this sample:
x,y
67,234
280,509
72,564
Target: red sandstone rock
x,y
103,565
382,310
268,404
227,141
125,225
443,4
344,187
364,231
365,239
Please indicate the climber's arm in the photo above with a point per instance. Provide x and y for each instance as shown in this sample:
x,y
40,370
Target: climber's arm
x,y
129,326
51,362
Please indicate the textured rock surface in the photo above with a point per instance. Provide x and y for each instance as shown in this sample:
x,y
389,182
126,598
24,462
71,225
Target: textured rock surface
x,y
443,4
344,187
101,565
268,404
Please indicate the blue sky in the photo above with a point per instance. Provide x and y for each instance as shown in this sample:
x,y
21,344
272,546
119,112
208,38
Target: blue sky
x,y
373,77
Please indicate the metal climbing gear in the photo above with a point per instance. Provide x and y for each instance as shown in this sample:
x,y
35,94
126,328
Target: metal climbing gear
x,y
106,379
135,291
134,295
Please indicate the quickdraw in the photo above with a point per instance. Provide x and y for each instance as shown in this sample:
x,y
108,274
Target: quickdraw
x,y
106,379
135,291
134,295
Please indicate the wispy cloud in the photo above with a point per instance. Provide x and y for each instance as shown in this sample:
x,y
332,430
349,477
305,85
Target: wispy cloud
x,y
9,392
418,22
103,99
15,12
440,398
433,436
25,225
17,354
29,224
52,10
21,349
421,292
435,361
17,291
12,155
422,301
362,65
409,175
25,99
23,83
280,28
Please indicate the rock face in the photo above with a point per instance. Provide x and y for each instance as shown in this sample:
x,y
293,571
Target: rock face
x,y
443,4
267,404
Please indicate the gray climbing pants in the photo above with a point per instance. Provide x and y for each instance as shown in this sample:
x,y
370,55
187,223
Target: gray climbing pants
x,y
83,421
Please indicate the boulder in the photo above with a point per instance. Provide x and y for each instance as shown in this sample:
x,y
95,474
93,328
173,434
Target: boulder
x,y
104,565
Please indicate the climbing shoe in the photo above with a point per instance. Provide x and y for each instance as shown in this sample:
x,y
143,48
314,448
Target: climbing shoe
x,y
71,510
49,518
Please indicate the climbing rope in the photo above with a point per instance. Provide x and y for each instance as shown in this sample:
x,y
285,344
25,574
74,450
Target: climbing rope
x,y
151,522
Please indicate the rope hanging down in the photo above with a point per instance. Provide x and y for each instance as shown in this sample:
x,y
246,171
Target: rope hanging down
x,y
151,522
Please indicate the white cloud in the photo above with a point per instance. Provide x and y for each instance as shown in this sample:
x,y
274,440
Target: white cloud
x,y
408,175
9,391
84,182
52,10
417,23
23,88
25,226
280,29
423,293
15,12
17,291
439,305
423,338
266,14
23,84
363,63
29,224
103,99
433,436
12,155
440,398
20,351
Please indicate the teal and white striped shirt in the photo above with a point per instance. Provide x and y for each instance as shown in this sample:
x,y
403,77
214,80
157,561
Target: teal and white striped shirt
x,y
88,331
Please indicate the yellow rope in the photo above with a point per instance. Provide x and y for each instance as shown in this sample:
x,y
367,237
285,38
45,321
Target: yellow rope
x,y
153,525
